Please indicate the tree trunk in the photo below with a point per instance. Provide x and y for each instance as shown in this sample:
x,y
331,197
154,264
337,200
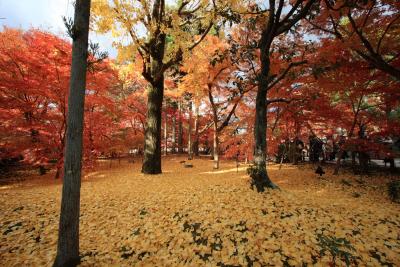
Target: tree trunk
x,y
216,146
261,179
68,233
363,159
173,134
189,144
180,128
341,149
152,143
196,132
260,130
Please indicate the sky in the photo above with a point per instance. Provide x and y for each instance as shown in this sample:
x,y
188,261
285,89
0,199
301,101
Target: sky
x,y
46,15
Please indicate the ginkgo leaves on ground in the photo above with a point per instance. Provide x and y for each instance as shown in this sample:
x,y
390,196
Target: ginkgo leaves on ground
x,y
196,217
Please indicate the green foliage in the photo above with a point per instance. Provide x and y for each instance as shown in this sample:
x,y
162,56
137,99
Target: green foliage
x,y
337,247
394,190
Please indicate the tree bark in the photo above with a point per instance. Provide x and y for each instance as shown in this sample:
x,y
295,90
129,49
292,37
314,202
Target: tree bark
x,y
152,145
261,180
260,130
68,233
216,146
153,72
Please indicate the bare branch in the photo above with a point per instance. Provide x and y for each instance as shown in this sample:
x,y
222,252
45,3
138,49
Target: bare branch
x,y
202,36
283,74
285,26
278,100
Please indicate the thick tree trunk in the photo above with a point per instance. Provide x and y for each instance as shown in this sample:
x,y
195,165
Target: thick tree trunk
x,y
173,135
189,144
180,128
260,130
216,146
261,179
196,132
68,233
152,143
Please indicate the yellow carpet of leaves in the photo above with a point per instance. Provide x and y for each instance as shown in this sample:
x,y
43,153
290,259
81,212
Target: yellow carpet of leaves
x,y
199,217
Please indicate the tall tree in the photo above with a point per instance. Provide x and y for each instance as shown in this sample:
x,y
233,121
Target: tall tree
x,y
169,33
68,233
275,24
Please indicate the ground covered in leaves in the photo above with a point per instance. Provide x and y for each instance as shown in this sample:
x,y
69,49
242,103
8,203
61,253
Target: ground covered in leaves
x,y
199,217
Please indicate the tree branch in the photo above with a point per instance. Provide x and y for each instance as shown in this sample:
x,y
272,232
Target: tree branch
x,y
285,26
277,100
282,75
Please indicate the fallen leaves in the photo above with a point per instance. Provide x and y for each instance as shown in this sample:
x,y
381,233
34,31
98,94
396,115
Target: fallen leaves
x,y
187,217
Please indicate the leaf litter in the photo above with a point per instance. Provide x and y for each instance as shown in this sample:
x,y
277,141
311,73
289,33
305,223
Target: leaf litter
x,y
196,217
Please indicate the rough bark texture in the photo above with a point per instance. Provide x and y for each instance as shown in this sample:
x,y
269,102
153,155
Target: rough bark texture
x,y
153,72
152,145
260,177
260,129
68,233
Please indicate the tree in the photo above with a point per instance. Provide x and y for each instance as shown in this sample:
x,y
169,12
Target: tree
x,y
354,24
34,99
210,75
169,34
353,93
33,95
277,22
68,233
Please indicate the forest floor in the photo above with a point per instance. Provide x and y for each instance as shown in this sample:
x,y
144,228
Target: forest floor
x,y
199,217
